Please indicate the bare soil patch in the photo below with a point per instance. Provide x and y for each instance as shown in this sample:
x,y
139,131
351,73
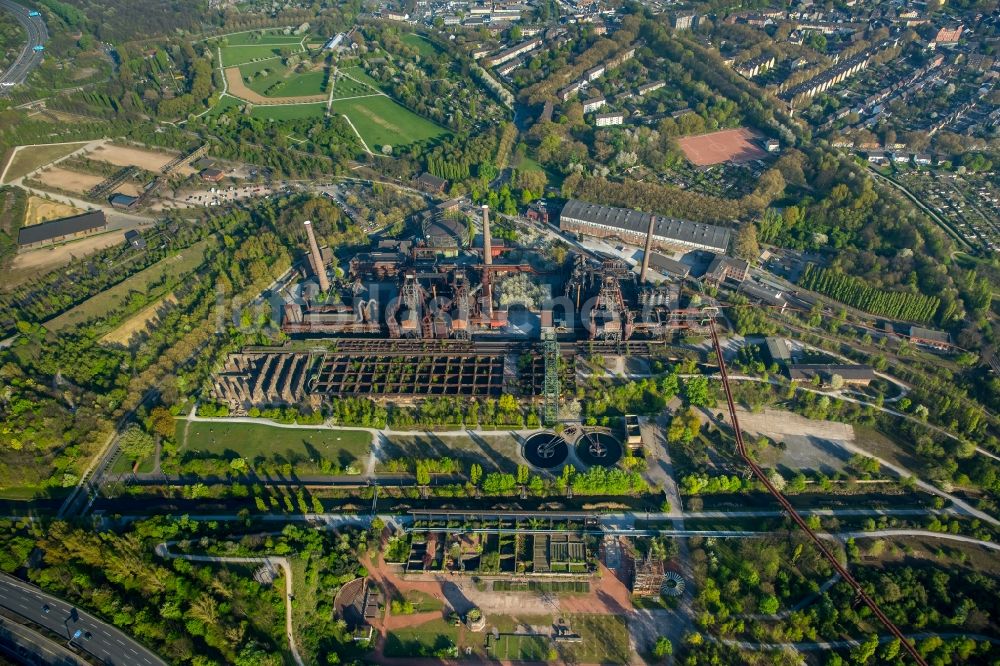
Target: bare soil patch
x,y
27,265
237,88
128,156
733,145
139,322
69,181
41,210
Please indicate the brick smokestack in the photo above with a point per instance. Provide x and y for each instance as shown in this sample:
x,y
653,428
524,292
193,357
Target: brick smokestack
x,y
487,240
648,250
316,259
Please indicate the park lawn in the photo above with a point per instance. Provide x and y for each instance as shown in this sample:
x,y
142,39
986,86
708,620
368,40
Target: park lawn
x,y
381,121
521,648
499,452
605,640
423,602
528,164
345,87
235,55
422,640
184,262
261,82
301,85
28,159
303,448
424,46
289,111
255,38
361,75
226,102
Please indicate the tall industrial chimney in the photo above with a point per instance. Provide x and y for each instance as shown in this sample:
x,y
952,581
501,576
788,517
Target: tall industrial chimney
x,y
648,250
317,259
487,240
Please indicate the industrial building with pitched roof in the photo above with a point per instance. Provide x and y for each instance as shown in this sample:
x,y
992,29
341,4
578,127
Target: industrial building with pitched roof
x,y
631,226
63,229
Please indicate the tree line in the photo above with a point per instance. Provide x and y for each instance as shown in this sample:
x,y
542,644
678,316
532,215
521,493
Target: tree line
x,y
854,292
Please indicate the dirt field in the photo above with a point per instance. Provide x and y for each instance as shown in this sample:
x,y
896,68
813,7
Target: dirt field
x,y
239,89
138,323
131,189
69,181
27,265
734,145
40,210
128,156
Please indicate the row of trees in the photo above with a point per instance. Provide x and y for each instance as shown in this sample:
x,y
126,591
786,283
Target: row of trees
x,y
854,292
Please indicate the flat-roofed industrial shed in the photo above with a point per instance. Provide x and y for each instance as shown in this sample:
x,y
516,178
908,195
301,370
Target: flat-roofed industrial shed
x,y
63,229
631,226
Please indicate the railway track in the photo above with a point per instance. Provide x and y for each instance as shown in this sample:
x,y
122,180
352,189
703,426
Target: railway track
x,y
845,575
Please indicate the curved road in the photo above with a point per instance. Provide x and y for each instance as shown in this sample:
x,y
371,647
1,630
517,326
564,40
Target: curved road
x,y
28,58
106,642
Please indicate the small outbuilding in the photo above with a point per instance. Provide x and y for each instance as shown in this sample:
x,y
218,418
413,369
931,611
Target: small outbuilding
x,y
212,175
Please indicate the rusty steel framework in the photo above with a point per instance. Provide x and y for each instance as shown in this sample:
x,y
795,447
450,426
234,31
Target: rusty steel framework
x,y
550,388
859,591
448,373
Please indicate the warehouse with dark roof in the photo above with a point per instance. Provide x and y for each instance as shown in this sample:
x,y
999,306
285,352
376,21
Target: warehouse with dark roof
x,y
63,229
631,225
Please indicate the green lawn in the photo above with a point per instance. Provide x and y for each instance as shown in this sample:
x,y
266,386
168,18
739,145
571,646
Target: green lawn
x,y
226,102
423,45
28,159
303,448
361,75
605,640
234,55
182,263
521,648
256,38
264,74
300,85
289,111
382,121
346,87
422,602
422,640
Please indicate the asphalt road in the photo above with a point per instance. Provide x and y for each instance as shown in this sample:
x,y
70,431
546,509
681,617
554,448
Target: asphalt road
x,y
106,642
27,646
28,59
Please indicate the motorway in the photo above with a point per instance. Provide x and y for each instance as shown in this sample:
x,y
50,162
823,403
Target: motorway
x,y
30,647
106,643
28,58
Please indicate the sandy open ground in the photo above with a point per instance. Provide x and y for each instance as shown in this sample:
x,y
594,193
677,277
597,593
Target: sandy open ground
x,y
138,322
733,145
29,264
41,210
237,88
128,156
129,188
69,181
